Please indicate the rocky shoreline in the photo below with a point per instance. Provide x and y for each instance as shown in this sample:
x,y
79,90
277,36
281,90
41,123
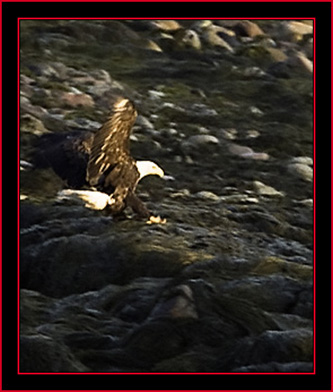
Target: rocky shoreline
x,y
226,285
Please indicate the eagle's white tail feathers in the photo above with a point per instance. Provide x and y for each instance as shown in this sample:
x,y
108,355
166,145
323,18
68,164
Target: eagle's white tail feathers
x,y
90,199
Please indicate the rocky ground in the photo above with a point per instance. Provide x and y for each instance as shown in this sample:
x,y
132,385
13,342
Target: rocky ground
x,y
226,284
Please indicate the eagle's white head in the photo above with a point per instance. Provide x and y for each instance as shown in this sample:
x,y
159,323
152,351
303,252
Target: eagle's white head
x,y
147,168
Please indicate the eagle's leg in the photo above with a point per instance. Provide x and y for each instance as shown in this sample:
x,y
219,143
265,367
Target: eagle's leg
x,y
137,206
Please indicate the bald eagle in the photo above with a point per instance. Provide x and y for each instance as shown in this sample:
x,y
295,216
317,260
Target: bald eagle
x,y
103,161
111,167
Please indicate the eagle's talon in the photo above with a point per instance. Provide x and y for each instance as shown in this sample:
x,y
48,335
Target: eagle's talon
x,y
156,219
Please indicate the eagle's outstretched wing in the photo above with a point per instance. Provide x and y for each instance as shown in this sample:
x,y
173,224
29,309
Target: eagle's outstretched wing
x,y
110,147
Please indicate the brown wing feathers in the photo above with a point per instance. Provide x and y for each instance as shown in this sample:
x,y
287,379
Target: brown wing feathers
x,y
111,142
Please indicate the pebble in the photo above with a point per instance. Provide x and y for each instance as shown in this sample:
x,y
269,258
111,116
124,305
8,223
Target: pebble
x,y
155,94
305,202
256,111
240,199
266,190
229,133
304,160
295,30
169,131
75,100
253,72
167,25
54,122
301,62
252,134
143,122
206,195
302,167
188,39
277,54
204,131
34,110
201,24
44,69
202,110
302,171
212,38
151,45
247,152
202,143
198,140
85,123
25,165
26,80
248,28
179,304
101,75
181,193
32,125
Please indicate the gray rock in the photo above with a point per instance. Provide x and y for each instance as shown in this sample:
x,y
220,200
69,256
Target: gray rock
x,y
212,37
306,202
240,198
54,122
301,62
188,39
252,134
302,171
73,100
197,145
167,25
45,70
206,195
178,303
182,193
265,190
32,125
144,122
294,30
284,343
277,55
200,141
229,134
247,152
42,354
248,28
27,107
303,160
